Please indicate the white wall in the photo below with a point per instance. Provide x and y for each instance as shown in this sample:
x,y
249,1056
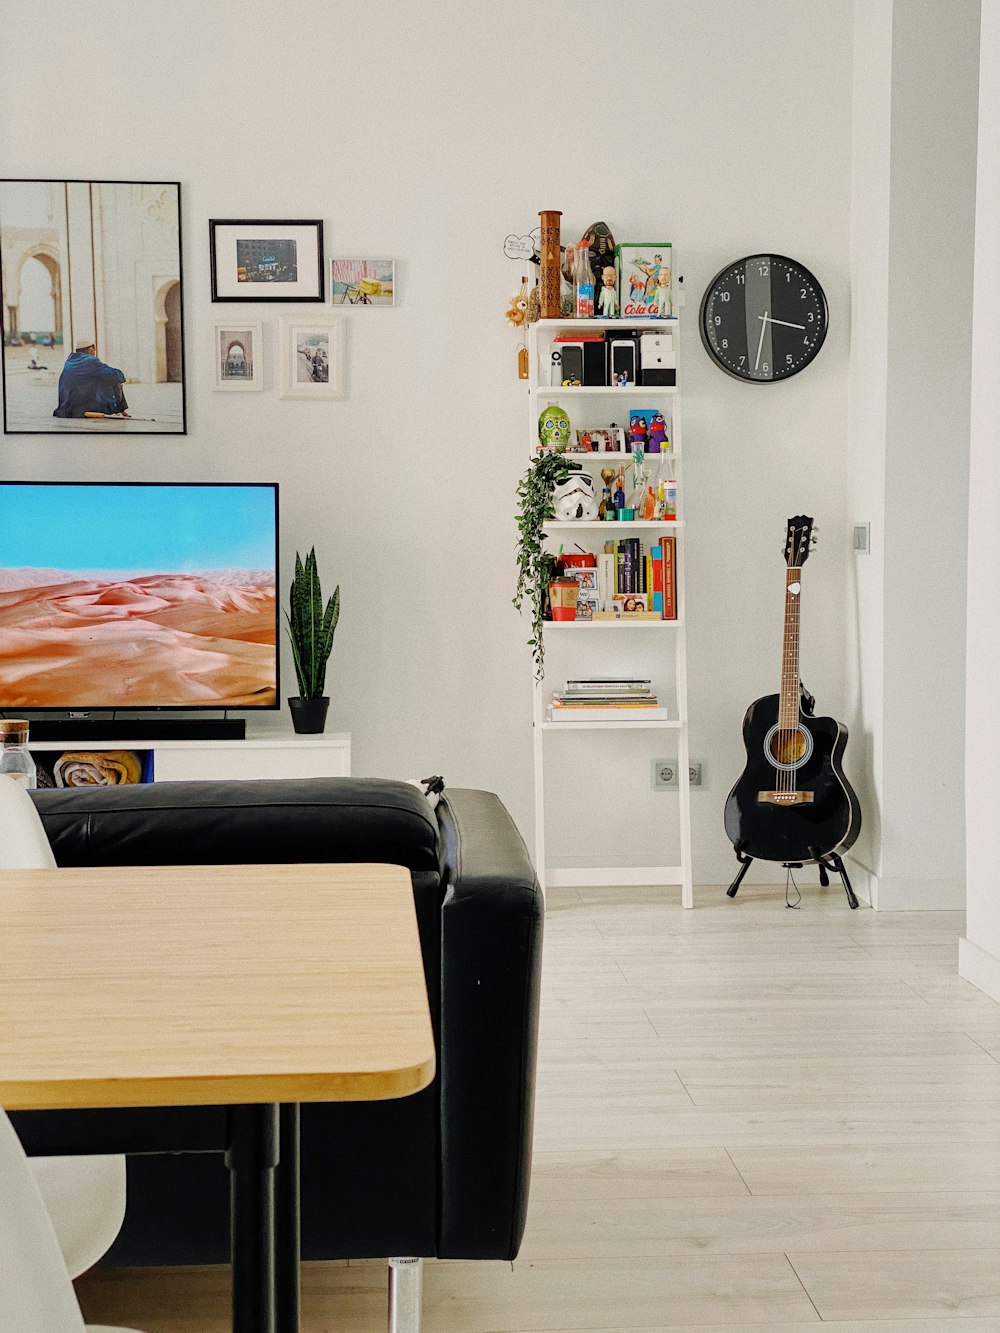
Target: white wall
x,y
979,953
428,132
913,189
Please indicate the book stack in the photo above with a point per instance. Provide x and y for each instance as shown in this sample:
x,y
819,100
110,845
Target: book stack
x,y
612,698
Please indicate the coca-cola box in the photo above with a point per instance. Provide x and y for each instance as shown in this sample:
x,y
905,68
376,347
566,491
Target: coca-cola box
x,y
645,279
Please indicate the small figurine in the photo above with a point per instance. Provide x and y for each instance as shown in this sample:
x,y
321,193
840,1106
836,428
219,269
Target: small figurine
x,y
621,380
572,383
637,430
664,304
608,302
553,428
518,312
607,476
657,434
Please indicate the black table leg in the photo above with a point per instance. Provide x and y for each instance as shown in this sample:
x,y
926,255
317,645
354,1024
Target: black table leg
x,y
287,1222
251,1157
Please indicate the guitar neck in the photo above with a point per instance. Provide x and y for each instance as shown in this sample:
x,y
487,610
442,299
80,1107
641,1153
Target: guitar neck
x,y
788,706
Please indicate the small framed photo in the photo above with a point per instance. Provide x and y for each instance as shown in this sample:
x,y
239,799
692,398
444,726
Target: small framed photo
x,y
239,356
586,577
311,355
631,601
587,604
266,261
363,282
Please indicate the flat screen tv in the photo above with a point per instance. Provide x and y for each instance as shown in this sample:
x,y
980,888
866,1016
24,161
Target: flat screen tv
x,y
138,596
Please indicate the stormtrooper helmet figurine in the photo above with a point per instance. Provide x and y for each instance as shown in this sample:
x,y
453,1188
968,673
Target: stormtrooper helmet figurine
x,y
575,498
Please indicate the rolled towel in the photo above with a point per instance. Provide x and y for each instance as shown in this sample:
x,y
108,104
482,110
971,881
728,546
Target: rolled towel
x,y
97,768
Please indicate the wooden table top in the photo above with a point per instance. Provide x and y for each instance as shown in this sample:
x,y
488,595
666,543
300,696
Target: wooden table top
x,y
197,985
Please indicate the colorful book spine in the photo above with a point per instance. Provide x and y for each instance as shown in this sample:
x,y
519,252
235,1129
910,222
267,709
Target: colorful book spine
x,y
656,563
668,546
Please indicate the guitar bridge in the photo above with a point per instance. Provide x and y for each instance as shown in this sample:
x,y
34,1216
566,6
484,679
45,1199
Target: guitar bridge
x,y
784,798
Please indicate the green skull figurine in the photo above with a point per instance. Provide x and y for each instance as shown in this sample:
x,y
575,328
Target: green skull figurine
x,y
553,428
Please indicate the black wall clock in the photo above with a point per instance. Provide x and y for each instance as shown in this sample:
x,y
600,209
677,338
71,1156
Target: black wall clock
x,y
763,318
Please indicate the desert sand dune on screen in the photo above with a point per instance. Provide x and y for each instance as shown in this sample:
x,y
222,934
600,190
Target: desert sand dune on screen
x,y
137,641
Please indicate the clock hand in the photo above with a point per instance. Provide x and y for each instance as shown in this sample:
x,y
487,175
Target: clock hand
x,y
760,343
787,323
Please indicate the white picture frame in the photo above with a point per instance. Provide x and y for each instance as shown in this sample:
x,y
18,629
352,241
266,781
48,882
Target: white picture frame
x,y
238,354
363,282
316,336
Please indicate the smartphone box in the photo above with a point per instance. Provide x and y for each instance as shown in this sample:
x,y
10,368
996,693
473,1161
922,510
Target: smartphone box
x,y
657,360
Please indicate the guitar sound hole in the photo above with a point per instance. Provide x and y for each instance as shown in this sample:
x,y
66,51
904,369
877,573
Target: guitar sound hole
x,y
787,748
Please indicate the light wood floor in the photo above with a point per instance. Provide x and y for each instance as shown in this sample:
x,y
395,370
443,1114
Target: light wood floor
x,y
748,1117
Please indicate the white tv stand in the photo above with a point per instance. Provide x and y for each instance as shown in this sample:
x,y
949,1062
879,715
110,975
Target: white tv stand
x,y
267,752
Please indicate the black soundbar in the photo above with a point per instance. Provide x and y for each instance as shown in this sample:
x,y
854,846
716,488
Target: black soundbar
x,y
75,730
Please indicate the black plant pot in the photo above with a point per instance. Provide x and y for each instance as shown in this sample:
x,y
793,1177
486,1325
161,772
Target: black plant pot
x,y
309,715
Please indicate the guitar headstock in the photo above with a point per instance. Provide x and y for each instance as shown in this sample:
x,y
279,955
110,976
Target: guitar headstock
x,y
799,541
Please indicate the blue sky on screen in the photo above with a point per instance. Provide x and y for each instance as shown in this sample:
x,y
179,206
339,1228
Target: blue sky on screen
x,y
136,529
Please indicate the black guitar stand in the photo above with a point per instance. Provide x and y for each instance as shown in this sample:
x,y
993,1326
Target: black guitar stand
x,y
826,863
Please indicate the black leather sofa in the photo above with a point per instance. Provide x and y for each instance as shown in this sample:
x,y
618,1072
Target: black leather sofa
x,y
440,1174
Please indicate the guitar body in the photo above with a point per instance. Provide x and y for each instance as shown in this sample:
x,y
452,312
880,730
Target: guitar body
x,y
825,818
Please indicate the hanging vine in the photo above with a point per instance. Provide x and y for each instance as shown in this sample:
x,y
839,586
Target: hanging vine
x,y
535,565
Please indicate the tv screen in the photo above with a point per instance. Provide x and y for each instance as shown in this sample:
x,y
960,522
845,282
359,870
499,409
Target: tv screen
x,y
138,596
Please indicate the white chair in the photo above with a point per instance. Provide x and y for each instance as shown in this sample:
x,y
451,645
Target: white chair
x,y
36,1294
85,1196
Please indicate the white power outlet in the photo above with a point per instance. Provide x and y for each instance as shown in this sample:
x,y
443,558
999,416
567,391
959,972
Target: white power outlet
x,y
665,773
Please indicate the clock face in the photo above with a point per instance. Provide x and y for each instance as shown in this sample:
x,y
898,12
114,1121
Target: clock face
x,y
763,318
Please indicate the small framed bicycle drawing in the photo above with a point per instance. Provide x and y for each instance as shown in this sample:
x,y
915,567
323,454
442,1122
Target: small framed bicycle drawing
x,y
311,352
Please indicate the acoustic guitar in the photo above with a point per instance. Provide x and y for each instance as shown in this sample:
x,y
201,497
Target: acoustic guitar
x,y
792,802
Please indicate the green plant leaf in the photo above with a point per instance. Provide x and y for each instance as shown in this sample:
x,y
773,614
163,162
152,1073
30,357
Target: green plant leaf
x,y
534,564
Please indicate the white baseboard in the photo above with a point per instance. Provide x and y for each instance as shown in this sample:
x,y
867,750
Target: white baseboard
x,y
979,967
900,893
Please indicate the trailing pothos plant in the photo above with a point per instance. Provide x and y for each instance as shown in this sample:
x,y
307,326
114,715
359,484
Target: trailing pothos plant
x,y
535,565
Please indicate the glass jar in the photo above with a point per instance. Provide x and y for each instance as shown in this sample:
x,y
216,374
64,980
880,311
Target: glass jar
x,y
15,760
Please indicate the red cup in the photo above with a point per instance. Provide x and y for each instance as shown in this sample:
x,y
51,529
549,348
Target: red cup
x,y
563,595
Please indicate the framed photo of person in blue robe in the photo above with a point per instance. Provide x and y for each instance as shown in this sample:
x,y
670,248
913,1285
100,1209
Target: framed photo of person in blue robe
x,y
93,327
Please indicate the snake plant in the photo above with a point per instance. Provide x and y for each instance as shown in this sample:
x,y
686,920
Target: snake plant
x,y
310,627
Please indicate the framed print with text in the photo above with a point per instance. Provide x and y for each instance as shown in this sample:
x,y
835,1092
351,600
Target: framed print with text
x,y
266,261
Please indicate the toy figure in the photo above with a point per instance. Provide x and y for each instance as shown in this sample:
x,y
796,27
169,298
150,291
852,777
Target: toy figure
x,y
621,380
518,312
657,434
664,304
637,431
607,476
553,428
608,301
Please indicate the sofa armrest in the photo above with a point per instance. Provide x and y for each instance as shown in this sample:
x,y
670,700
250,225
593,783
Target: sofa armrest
x,y
491,953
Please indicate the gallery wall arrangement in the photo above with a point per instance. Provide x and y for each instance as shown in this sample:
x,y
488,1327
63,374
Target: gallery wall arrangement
x,y
93,330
